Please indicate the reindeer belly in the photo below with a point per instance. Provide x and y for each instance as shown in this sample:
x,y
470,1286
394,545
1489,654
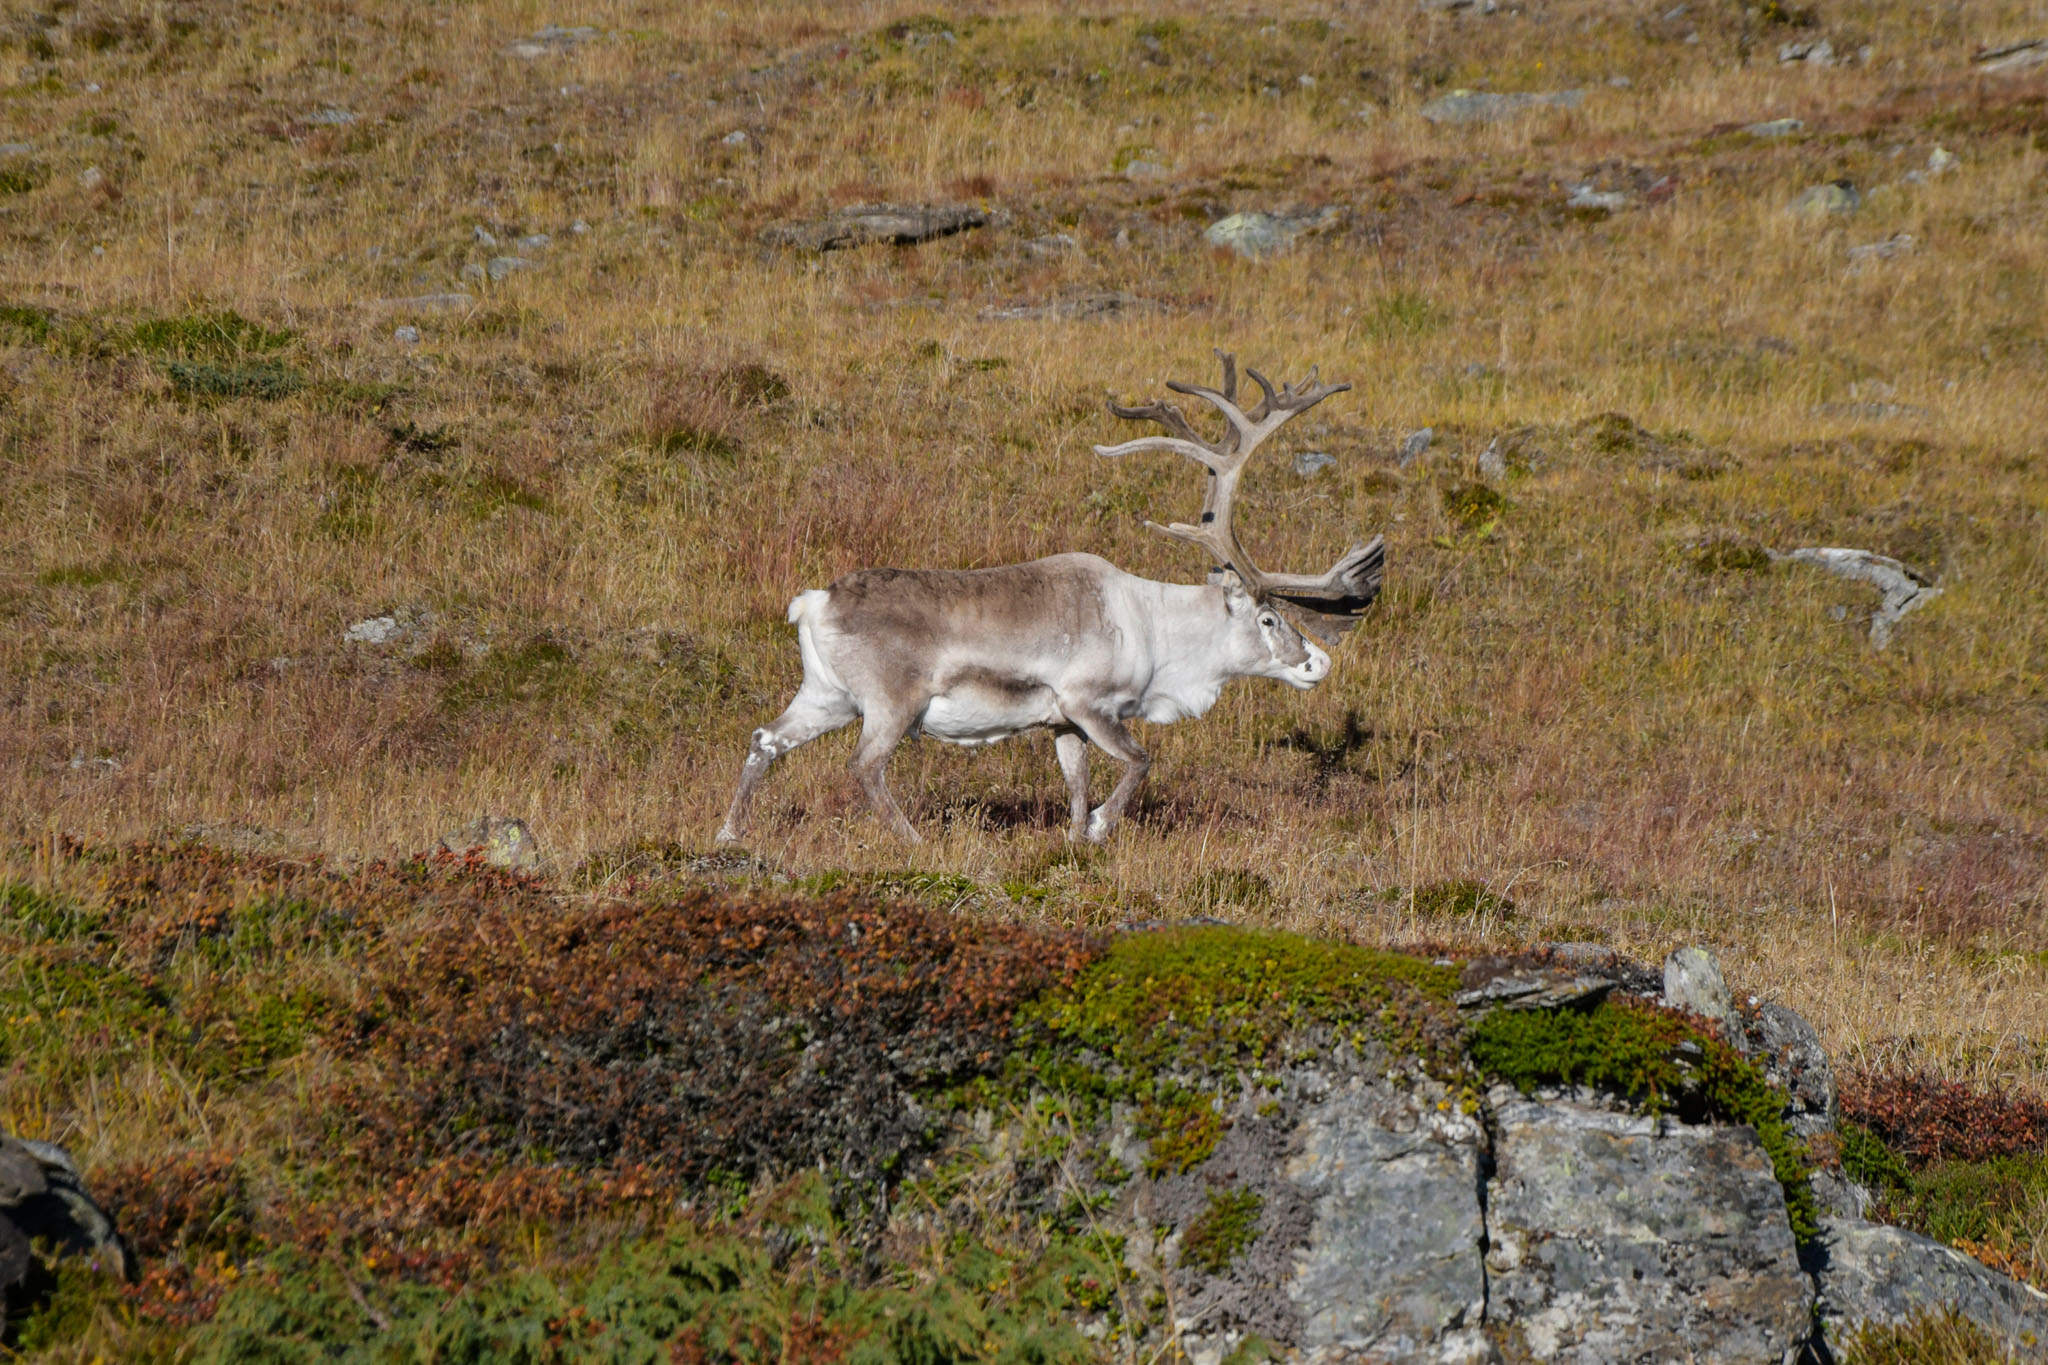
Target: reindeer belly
x,y
981,708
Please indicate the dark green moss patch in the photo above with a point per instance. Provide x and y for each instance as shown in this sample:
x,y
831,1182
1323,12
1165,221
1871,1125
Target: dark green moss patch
x,y
1180,1130
220,335
1657,1060
1196,999
1223,1231
1474,508
1732,556
268,381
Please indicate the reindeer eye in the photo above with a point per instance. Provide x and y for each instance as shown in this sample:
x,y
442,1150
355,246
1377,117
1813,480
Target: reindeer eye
x,y
1269,620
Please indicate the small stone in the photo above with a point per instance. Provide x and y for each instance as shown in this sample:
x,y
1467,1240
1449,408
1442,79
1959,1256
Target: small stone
x,y
1941,160
1311,462
736,138
1143,170
501,266
331,117
1620,82
375,630
1485,106
1052,244
1492,465
1305,81
861,224
1586,197
484,236
1898,244
1417,442
16,148
2013,57
1777,127
1693,981
406,336
579,227
91,178
502,843
474,273
1249,234
1820,201
536,241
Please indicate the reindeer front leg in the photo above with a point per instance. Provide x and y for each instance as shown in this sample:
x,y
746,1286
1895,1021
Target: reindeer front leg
x,y
1109,735
1072,748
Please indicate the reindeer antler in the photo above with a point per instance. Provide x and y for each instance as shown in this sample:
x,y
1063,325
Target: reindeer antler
x,y
1330,602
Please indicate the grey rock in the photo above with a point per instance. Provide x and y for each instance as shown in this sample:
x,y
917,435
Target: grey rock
x,y
1777,127
1818,53
1257,233
1052,244
500,267
1789,1050
1693,981
1308,463
1819,201
1521,987
1142,169
2013,57
579,227
1877,1274
374,630
549,41
484,236
406,335
474,273
1615,1237
861,224
1076,308
536,241
503,843
1392,1270
91,178
331,117
1484,106
1905,590
1416,443
44,1203
1941,161
736,138
16,148
1586,197
1492,464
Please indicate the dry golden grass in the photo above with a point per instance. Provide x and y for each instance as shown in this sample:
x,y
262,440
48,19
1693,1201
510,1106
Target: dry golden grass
x,y
600,529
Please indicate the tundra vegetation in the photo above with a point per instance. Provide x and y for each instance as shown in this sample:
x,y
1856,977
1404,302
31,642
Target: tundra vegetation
x,y
242,411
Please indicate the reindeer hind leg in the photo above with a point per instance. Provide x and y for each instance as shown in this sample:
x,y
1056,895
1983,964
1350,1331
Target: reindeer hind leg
x,y
814,712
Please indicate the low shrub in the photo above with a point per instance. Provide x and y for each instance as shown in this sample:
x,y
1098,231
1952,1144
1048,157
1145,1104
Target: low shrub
x,y
1924,1118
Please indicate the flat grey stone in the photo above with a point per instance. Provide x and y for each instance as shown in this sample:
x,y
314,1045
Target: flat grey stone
x,y
1622,1238
1393,1270
16,148
1877,1274
1256,234
2013,57
501,267
1693,981
503,843
861,224
1535,988
331,118
1311,462
1485,106
1416,443
1819,201
375,630
1777,127
1586,197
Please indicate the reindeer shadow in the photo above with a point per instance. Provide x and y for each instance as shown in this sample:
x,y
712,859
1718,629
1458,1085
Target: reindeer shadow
x,y
1330,754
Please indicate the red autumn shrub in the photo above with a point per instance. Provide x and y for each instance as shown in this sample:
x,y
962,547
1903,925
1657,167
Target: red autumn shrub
x,y
718,1036
1925,1118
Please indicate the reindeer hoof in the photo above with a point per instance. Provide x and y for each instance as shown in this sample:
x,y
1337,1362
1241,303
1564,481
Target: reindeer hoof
x,y
726,835
1098,830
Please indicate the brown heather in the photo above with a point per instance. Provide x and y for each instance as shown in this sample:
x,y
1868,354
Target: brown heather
x,y
590,496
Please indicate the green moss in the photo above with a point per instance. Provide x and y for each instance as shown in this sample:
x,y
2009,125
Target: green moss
x,y
1656,1060
220,335
1220,1234
1180,1128
1475,508
1867,1161
1161,1006
24,324
267,381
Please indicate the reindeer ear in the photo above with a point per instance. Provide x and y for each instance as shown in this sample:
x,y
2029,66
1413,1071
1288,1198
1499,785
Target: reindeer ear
x,y
1236,600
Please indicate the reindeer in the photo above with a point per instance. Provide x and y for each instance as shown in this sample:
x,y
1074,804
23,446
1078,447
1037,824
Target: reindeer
x,y
1070,643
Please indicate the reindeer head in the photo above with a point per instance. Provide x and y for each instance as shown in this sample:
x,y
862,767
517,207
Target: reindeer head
x,y
1326,605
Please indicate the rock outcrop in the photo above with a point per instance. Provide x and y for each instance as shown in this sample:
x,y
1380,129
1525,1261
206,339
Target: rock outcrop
x,y
46,1214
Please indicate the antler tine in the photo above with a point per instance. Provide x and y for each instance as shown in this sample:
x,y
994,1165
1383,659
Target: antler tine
x,y
1166,414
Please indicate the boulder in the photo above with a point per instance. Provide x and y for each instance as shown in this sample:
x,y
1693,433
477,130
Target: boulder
x,y
1393,1269
861,224
1616,1237
44,1204
1877,1274
503,843
1485,106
